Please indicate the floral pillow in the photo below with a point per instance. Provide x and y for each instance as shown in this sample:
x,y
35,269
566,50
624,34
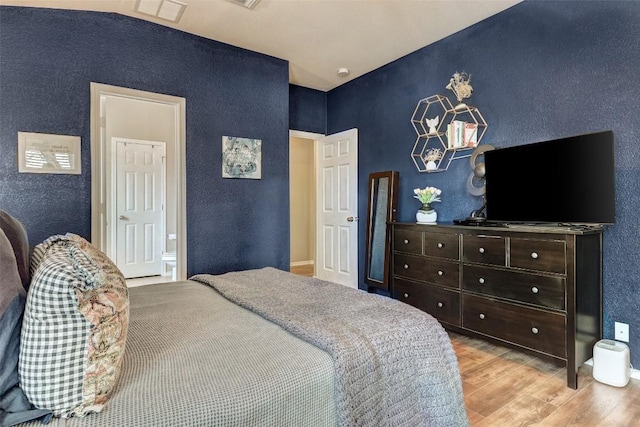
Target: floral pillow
x,y
74,329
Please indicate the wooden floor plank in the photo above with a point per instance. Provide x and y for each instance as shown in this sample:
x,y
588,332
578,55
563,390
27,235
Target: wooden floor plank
x,y
505,388
522,411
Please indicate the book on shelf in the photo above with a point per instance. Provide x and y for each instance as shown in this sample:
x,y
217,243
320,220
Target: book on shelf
x,y
462,134
470,135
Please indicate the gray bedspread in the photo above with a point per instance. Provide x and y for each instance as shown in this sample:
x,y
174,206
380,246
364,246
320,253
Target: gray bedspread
x,y
195,359
394,364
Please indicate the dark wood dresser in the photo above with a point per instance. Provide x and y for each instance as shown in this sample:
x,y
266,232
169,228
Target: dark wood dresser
x,y
532,288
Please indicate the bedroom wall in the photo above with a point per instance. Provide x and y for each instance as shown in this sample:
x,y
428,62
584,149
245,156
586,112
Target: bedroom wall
x,y
307,109
540,70
48,59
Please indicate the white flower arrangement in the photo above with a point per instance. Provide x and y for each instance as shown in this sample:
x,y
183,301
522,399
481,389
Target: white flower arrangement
x,y
460,85
433,155
427,195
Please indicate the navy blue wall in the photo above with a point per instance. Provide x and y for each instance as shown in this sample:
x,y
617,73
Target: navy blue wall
x,y
48,59
540,70
307,109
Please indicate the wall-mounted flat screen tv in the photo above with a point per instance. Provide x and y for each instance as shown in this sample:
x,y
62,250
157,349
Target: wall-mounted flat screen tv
x,y
569,180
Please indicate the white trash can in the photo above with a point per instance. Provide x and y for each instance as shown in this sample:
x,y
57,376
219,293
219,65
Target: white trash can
x,y
611,363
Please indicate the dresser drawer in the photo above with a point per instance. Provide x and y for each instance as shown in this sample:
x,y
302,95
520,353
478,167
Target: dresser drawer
x,y
545,291
436,271
407,241
540,255
443,304
536,329
442,245
484,249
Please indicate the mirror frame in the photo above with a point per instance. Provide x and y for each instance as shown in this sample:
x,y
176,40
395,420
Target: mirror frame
x,y
389,213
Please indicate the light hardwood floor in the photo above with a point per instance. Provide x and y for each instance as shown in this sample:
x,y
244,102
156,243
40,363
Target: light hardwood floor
x,y
302,270
504,387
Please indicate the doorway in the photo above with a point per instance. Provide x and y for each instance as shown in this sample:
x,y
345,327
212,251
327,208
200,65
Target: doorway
x,y
302,191
335,211
133,114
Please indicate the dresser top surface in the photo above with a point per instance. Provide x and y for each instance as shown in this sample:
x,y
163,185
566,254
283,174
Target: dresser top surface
x,y
517,228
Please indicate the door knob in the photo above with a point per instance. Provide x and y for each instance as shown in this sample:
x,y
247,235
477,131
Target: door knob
x,y
122,217
352,218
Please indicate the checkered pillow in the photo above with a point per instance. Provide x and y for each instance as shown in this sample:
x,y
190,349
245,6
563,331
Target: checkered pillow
x,y
74,328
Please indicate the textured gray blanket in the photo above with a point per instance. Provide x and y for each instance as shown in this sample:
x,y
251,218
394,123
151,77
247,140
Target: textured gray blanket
x,y
394,364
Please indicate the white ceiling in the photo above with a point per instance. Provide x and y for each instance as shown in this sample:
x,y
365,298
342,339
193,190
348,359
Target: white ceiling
x,y
316,36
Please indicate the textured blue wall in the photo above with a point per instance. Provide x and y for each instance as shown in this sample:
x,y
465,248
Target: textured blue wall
x,y
48,59
540,70
307,109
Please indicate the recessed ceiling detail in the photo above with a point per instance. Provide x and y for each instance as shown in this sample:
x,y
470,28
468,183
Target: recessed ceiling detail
x,y
169,10
249,4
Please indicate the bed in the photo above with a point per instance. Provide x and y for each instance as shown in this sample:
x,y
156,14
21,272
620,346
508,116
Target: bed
x,y
267,348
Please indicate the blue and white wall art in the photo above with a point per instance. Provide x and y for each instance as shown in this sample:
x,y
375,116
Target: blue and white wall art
x,y
241,157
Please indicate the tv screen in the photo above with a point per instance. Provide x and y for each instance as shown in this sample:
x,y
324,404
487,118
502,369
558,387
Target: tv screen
x,y
568,180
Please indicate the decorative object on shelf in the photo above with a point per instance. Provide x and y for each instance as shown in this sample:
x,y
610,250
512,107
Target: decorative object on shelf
x,y
426,214
432,123
453,131
477,177
432,157
241,157
461,87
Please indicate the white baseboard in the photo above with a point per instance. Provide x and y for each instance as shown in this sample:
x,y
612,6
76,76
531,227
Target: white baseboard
x,y
635,373
300,263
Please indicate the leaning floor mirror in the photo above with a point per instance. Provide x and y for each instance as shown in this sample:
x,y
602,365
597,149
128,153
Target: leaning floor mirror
x,y
381,210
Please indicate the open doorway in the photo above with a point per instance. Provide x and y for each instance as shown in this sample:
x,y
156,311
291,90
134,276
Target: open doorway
x,y
324,205
302,190
118,113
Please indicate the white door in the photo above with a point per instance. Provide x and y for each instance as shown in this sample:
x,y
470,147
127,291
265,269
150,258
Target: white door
x,y
337,208
139,218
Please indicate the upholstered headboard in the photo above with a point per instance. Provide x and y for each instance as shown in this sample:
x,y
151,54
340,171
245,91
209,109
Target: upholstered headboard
x,y
14,281
17,235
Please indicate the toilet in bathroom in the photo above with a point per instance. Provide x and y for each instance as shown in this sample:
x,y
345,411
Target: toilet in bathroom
x,y
169,261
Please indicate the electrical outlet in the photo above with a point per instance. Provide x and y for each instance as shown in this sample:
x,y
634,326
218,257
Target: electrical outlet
x,y
622,331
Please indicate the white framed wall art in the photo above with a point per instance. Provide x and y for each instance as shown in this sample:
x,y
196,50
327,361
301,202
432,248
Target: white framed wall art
x,y
46,153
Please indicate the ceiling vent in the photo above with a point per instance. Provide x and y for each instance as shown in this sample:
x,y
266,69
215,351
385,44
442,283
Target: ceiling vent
x,y
249,4
169,10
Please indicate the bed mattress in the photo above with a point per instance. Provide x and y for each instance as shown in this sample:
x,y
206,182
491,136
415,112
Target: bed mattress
x,y
194,358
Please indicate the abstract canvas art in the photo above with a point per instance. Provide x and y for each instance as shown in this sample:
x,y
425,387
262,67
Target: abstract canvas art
x,y
241,157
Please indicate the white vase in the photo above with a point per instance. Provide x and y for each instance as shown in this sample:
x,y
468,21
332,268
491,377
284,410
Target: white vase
x,y
426,215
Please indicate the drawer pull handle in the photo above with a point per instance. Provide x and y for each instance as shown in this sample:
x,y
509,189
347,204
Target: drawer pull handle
x,y
481,250
440,304
406,241
534,290
481,280
406,266
406,295
481,316
440,245
534,255
534,330
440,272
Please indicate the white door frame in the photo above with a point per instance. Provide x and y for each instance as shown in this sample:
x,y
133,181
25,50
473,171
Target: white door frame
x,y
316,137
100,199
